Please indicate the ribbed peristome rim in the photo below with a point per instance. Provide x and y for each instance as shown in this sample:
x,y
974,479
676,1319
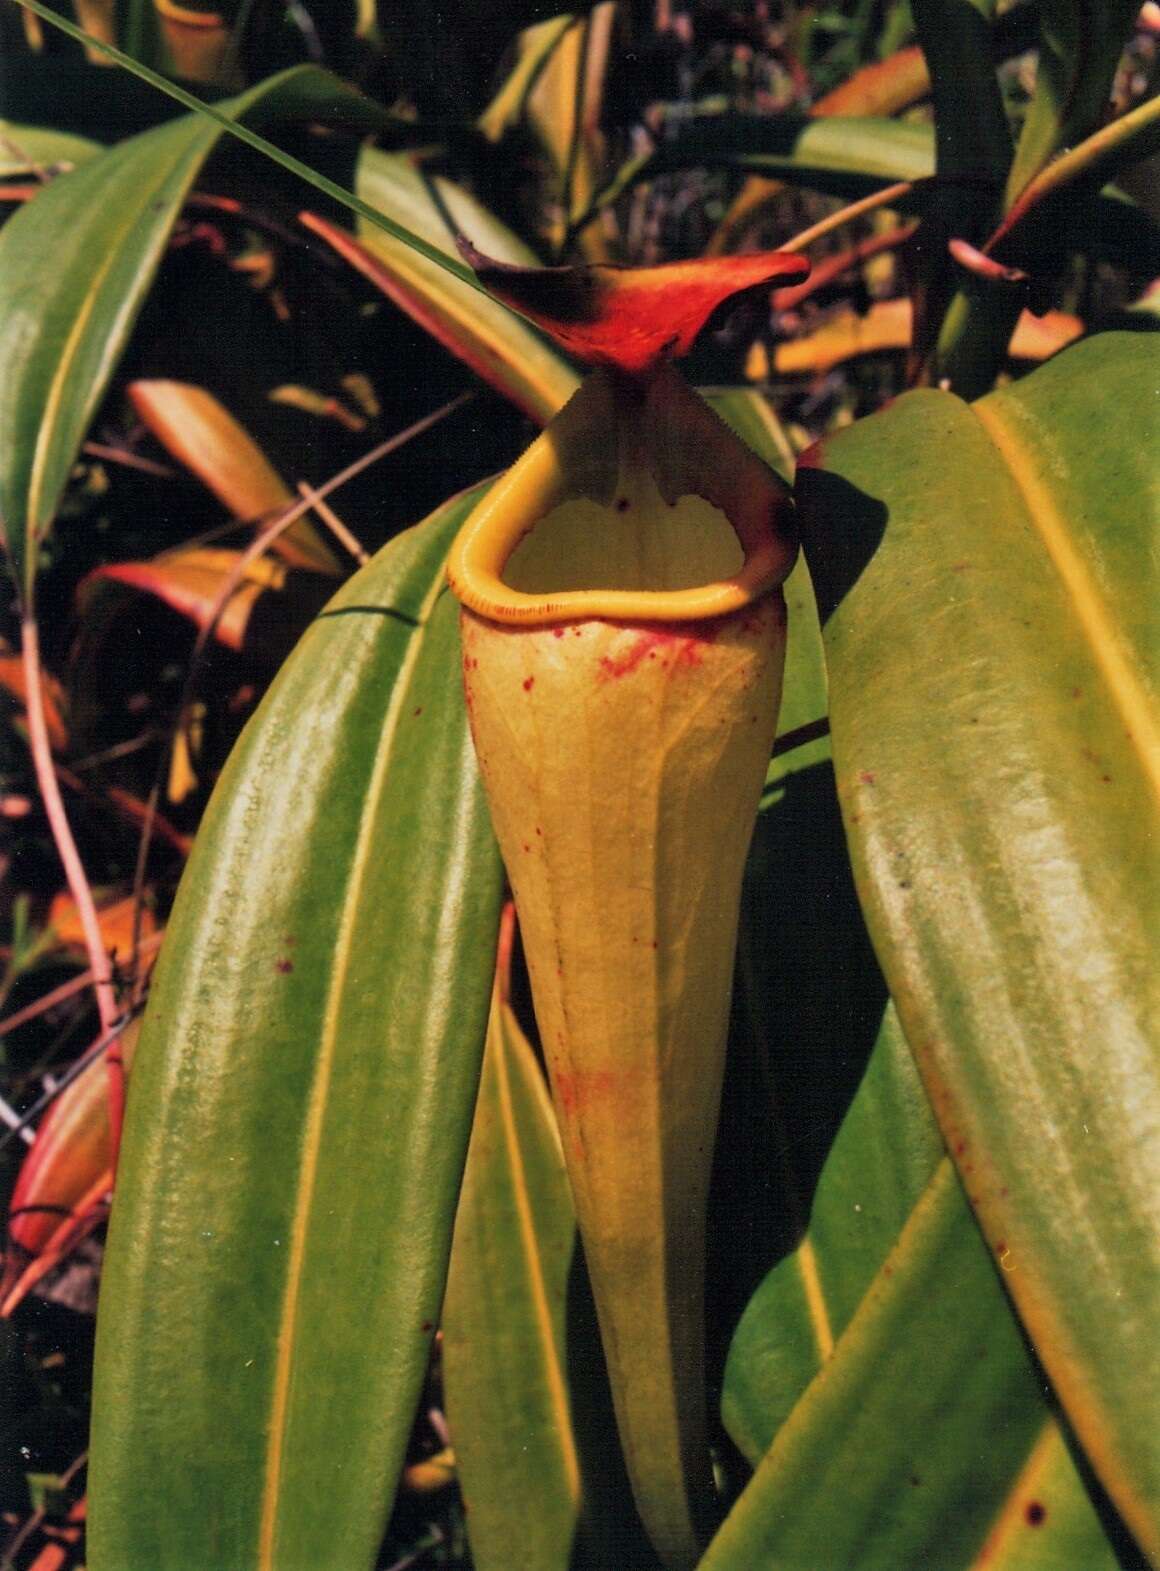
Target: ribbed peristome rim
x,y
689,451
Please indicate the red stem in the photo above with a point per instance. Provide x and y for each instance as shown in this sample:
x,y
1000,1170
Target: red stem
x,y
74,871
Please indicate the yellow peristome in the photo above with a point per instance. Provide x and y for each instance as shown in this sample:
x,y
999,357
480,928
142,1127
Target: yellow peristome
x,y
611,438
623,735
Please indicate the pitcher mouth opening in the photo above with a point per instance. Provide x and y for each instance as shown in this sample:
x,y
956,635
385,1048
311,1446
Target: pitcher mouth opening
x,y
637,504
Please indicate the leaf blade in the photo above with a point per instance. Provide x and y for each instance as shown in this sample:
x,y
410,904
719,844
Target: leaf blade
x,y
1006,874
288,1026
62,329
504,1317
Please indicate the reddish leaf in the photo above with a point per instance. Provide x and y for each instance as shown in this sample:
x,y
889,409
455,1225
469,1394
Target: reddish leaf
x,y
61,1186
196,583
55,1556
630,318
199,431
117,922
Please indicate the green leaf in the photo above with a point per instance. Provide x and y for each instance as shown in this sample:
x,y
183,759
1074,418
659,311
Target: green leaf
x,y
925,1390
908,1443
843,156
504,1319
25,147
138,30
863,1175
301,1103
503,348
1079,49
992,645
64,327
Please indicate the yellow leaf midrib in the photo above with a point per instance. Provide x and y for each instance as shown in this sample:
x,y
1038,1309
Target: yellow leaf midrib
x,y
62,372
316,1109
553,1374
1099,626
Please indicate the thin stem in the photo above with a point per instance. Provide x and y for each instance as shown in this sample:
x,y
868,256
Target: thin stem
x,y
103,1043
74,871
568,173
12,1118
334,523
61,994
831,268
887,197
1132,136
231,583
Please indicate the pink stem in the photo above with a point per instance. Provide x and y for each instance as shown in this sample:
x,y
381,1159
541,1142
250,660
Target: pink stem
x,y
74,871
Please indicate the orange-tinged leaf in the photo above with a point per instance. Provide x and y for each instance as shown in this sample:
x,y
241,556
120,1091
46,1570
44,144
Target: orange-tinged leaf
x,y
69,1159
199,431
12,681
117,923
192,583
887,325
490,361
630,318
885,87
98,18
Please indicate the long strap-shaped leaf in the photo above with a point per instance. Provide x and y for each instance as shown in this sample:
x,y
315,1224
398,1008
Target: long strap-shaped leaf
x,y
300,1105
946,1401
989,578
63,327
504,1318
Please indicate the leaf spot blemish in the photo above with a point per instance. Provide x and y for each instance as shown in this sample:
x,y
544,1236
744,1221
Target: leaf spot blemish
x,y
529,683
622,504
867,777
284,966
1035,1513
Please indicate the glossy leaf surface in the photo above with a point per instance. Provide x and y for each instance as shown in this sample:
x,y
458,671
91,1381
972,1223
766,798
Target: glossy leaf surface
x,y
855,1175
843,156
301,1103
63,328
991,641
505,1318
